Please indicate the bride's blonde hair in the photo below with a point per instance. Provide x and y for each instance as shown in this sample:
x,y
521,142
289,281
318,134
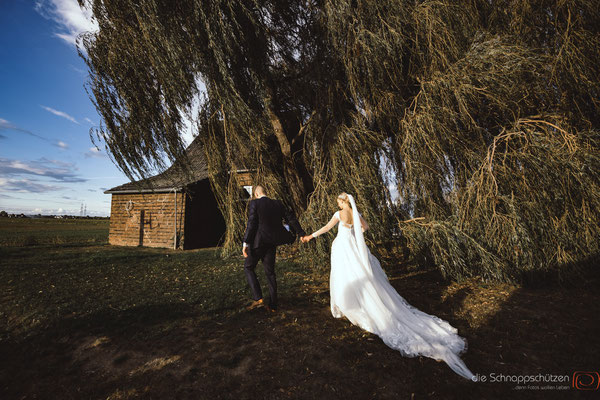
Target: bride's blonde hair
x,y
344,197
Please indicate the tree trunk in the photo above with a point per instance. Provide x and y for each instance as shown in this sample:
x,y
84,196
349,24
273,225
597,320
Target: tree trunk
x,y
292,169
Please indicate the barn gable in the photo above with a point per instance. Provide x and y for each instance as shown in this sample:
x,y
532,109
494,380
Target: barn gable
x,y
174,209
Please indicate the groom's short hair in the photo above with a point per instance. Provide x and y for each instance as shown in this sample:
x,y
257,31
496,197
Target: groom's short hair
x,y
258,189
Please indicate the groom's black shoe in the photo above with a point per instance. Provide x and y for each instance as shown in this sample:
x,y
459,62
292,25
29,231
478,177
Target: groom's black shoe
x,y
256,304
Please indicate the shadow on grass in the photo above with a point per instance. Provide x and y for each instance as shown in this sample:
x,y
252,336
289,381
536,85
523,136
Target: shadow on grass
x,y
180,350
176,351
545,330
84,356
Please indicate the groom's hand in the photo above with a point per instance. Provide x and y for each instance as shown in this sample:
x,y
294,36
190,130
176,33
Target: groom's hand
x,y
245,251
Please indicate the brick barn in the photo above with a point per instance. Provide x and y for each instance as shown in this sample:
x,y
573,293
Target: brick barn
x,y
172,209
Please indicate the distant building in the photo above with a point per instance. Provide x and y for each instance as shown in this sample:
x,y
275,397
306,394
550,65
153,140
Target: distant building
x,y
174,209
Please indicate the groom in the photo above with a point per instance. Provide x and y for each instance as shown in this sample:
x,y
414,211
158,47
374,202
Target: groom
x,y
264,232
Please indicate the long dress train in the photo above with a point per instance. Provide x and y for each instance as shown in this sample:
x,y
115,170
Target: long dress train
x,y
361,292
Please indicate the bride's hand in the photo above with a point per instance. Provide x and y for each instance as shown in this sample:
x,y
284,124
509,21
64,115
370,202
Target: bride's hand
x,y
306,239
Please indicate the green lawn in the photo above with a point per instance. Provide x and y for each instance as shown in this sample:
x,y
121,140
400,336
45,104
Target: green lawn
x,y
53,282
84,320
36,231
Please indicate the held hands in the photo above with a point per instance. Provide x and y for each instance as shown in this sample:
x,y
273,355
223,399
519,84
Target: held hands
x,y
306,239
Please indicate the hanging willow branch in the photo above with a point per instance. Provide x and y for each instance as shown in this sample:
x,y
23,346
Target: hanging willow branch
x,y
471,128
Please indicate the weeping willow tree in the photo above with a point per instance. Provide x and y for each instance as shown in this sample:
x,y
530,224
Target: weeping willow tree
x,y
470,127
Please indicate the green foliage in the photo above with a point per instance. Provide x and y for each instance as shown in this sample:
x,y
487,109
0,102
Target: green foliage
x,y
484,115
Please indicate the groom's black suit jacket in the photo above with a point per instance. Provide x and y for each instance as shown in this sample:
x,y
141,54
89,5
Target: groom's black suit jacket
x,y
265,226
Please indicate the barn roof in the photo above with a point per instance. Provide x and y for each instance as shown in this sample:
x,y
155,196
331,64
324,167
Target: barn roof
x,y
173,178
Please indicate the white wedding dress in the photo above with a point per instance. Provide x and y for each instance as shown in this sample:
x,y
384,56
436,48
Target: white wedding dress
x,y
361,292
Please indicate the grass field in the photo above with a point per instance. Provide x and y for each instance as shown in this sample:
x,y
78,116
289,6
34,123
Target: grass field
x,y
83,320
35,231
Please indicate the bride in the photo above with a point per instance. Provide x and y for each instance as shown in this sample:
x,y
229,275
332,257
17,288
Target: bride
x,y
361,292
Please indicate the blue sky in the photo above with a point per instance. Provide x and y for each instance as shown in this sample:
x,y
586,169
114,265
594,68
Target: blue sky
x,y
48,163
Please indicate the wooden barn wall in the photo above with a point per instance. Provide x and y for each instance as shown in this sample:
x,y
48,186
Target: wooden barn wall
x,y
146,219
204,223
245,178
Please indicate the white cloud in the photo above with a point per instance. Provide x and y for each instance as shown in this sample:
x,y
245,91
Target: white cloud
x,y
9,126
60,114
94,152
34,209
26,186
74,68
70,18
57,170
89,121
394,193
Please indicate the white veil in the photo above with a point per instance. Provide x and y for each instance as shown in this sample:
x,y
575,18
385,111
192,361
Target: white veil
x,y
363,251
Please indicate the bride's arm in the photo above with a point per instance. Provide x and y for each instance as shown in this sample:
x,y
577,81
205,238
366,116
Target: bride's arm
x,y
363,223
332,222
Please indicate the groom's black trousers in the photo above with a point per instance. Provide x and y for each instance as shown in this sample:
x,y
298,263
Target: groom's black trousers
x,y
267,256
